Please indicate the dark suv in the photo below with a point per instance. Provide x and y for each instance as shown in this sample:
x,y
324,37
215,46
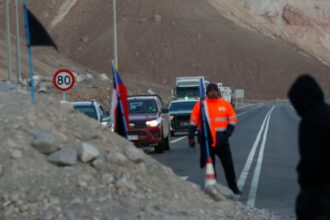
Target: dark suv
x,y
149,122
180,111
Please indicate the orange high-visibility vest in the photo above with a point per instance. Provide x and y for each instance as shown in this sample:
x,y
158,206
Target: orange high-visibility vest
x,y
219,114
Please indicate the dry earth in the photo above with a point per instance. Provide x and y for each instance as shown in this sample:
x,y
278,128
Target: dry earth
x,y
57,164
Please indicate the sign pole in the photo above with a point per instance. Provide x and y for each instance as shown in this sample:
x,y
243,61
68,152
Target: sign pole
x,y
8,40
64,96
28,43
18,43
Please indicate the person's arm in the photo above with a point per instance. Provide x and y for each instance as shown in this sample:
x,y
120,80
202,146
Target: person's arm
x,y
232,119
194,121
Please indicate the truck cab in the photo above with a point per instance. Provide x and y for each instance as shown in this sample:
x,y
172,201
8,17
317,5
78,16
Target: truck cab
x,y
187,87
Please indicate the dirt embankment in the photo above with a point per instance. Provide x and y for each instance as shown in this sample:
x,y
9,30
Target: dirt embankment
x,y
58,164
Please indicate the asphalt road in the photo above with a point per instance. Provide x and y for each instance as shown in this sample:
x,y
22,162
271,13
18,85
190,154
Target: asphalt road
x,y
265,152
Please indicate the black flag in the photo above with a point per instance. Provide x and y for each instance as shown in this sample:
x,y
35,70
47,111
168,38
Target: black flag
x,y
38,33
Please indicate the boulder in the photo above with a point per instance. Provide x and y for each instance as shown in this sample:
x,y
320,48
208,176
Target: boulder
x,y
117,158
89,76
45,143
64,157
103,77
16,154
88,152
214,192
101,165
157,18
44,87
123,184
135,155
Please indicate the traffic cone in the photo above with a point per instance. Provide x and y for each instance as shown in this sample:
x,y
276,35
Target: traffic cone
x,y
210,178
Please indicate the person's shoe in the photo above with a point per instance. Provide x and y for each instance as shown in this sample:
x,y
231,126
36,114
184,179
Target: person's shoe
x,y
237,192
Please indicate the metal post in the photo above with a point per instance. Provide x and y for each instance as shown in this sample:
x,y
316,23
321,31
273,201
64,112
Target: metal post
x,y
18,43
115,41
63,96
28,43
8,40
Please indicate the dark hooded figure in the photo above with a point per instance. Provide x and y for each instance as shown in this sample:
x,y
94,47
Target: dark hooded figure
x,y
313,201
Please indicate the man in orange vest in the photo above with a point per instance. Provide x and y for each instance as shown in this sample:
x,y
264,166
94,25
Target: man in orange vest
x,y
221,120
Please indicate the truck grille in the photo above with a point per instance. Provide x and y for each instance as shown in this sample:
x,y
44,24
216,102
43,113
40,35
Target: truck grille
x,y
138,124
138,133
181,122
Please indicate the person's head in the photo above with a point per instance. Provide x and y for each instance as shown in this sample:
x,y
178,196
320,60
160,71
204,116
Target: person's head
x,y
212,91
305,93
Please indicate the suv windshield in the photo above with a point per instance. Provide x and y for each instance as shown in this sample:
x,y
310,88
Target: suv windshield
x,y
87,110
142,106
182,106
187,92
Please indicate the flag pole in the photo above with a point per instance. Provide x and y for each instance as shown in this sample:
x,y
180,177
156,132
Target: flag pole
x,y
210,177
115,40
8,41
18,43
208,154
28,43
121,108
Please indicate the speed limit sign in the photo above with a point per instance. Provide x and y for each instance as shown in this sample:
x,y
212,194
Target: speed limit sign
x,y
63,80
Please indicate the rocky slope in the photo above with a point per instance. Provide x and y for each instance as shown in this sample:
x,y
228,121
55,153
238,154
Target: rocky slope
x,y
162,39
58,164
305,23
91,85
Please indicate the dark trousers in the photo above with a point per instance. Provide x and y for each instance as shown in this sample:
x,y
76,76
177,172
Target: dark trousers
x,y
224,154
313,204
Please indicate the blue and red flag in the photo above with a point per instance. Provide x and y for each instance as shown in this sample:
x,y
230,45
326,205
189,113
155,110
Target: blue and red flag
x,y
119,105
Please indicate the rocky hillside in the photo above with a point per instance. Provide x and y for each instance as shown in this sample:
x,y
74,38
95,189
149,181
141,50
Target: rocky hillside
x,y
305,23
60,165
162,39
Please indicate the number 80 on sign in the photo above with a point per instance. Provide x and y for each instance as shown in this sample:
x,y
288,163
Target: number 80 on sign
x,y
63,80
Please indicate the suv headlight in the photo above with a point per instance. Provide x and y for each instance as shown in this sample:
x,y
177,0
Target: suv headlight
x,y
153,123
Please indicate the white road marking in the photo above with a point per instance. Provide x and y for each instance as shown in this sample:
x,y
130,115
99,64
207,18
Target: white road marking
x,y
247,166
243,113
290,106
184,177
177,140
255,181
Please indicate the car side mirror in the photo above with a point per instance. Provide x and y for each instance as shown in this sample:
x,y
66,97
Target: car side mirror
x,y
165,111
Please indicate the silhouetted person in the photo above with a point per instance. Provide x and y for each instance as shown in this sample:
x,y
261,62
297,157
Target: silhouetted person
x,y
313,201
